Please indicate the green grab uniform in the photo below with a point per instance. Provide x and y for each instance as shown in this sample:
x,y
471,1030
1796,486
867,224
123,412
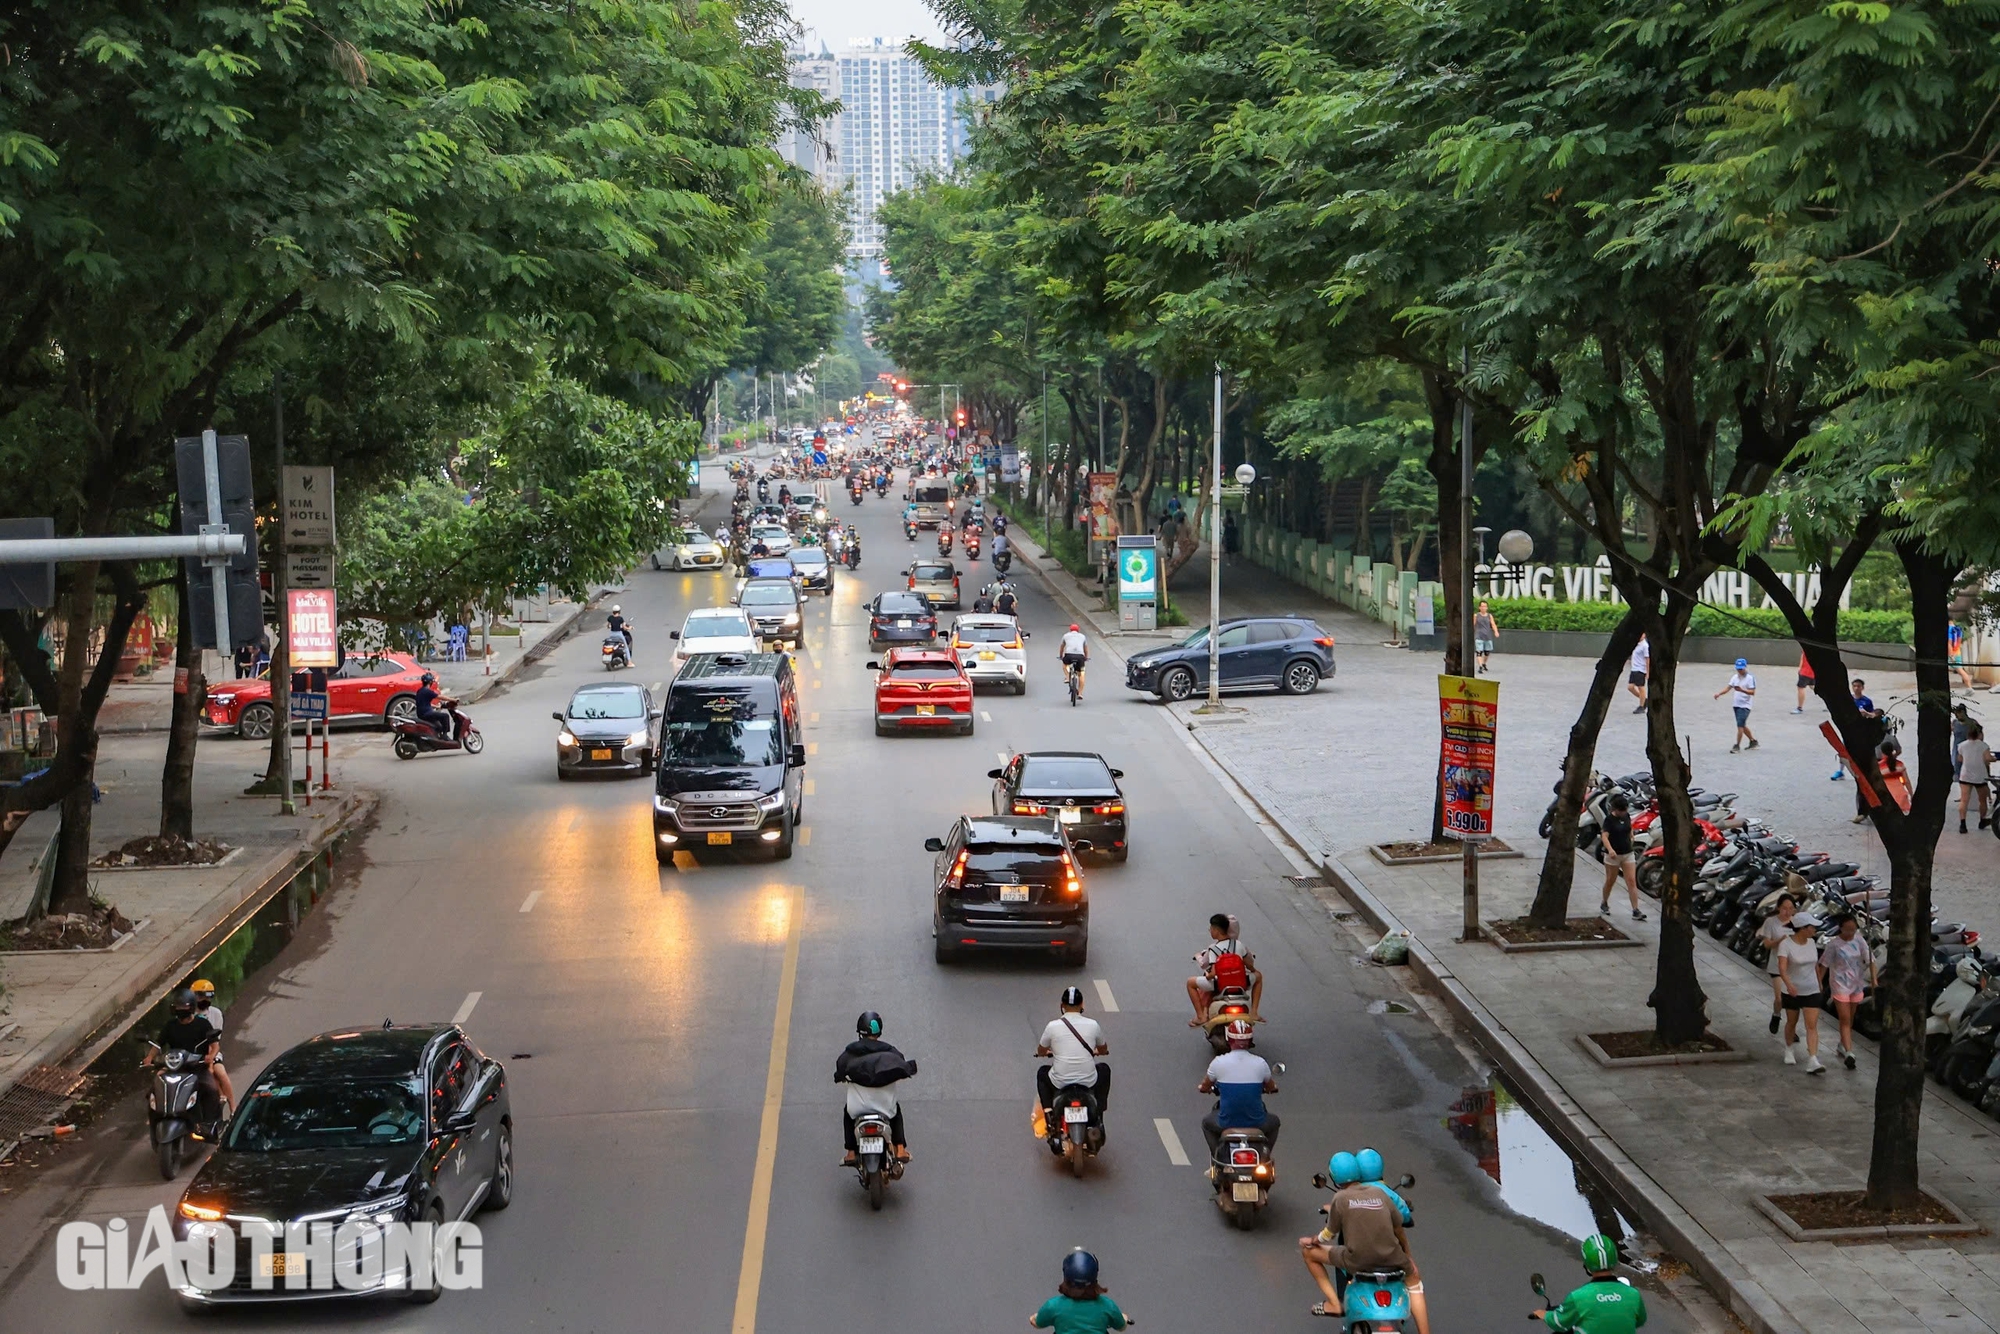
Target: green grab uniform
x,y
1601,1306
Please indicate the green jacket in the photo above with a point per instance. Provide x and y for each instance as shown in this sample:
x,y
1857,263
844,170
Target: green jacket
x,y
1066,1315
1601,1306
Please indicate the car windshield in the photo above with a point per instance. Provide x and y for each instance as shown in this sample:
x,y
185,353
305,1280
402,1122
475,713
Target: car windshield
x,y
769,531
1196,640
809,556
903,604
768,595
1065,775
607,704
710,627
329,1114
1039,863
985,634
935,671
931,495
695,537
723,740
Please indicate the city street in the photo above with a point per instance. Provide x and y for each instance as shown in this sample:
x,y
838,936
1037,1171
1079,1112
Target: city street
x,y
636,1007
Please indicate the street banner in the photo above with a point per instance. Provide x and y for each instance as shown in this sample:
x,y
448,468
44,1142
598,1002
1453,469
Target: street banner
x,y
1010,463
311,628
1103,512
1469,710
1138,570
308,507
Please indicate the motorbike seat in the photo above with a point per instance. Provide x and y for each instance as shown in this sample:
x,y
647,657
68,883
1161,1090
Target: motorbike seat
x,y
1379,1275
1245,1133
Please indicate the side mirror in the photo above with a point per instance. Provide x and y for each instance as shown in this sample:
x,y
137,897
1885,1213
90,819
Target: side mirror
x,y
1025,635
1278,1069
1117,773
558,716
656,714
1535,1282
873,665
798,757
1405,1181
673,634
992,773
933,845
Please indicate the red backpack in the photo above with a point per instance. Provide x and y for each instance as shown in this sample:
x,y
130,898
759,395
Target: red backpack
x,y
1231,973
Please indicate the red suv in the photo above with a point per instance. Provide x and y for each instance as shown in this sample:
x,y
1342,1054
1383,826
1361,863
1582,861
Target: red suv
x,y
922,687
370,689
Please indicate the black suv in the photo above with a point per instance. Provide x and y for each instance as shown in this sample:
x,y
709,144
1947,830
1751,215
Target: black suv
x,y
1010,881
1289,653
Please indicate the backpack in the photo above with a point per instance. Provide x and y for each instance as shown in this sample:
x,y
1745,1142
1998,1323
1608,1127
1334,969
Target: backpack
x,y
1231,973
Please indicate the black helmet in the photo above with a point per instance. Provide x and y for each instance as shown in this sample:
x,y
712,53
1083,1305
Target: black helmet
x,y
429,678
869,1025
1072,997
1080,1267
183,1001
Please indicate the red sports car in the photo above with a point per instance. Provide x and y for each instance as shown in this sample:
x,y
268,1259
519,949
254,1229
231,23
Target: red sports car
x,y
369,688
921,687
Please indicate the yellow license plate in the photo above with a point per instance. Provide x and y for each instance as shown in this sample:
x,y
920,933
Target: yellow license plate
x,y
721,838
988,657
279,1264
1245,1191
600,754
926,709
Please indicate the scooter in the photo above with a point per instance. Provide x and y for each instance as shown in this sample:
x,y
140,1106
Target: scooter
x,y
617,654
183,1105
944,541
1076,1131
854,554
1948,1010
875,1162
415,737
1376,1301
1241,1172
972,546
855,495
1003,560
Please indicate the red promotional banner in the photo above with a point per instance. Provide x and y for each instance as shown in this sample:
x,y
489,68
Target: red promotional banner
x,y
1103,510
1469,710
311,629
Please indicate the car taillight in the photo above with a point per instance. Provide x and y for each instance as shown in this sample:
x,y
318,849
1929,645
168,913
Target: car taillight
x,y
958,869
1243,1157
1109,808
1012,643
1030,808
913,581
1324,641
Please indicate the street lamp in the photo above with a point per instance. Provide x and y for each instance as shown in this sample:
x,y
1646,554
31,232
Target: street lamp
x,y
1517,549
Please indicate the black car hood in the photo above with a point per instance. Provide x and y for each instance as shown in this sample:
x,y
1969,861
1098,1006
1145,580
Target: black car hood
x,y
302,1181
1168,653
764,779
605,729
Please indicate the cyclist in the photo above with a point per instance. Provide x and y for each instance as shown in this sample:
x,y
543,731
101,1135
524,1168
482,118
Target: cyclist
x,y
1604,1305
1075,652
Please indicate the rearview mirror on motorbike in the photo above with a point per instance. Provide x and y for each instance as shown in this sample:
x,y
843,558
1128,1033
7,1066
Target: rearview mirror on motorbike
x,y
1405,1181
1320,1182
1535,1282
933,845
1278,1069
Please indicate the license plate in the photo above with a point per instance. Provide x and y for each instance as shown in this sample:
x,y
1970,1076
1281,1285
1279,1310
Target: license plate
x,y
600,754
1013,893
870,1145
721,838
903,625
926,710
1245,1191
1069,815
278,1264
988,657
1074,1114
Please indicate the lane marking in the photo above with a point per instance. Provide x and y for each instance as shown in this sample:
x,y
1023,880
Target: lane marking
x,y
805,835
751,1275
655,687
985,717
528,904
812,747
465,1010
815,684
1103,993
809,787
1175,1153
812,717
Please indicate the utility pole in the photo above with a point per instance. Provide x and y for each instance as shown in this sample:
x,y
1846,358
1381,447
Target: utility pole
x,y
281,654
1214,557
1469,850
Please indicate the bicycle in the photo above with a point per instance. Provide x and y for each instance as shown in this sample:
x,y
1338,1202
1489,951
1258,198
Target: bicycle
x,y
1071,673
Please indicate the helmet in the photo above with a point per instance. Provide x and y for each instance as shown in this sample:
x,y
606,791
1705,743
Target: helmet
x,y
869,1025
1600,1253
204,990
1344,1168
616,607
1240,1033
1369,1164
183,1000
1072,625
429,679
1072,998
1079,1266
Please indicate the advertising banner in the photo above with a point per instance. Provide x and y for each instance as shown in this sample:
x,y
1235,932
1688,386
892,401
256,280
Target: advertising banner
x,y
1010,463
1103,511
311,629
1469,710
1138,570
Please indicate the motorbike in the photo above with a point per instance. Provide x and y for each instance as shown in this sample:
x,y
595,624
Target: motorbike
x,y
1948,1010
1003,560
881,490
414,737
855,495
1376,1300
184,1105
972,546
763,491
1241,1172
854,554
1076,1130
944,541
617,654
875,1162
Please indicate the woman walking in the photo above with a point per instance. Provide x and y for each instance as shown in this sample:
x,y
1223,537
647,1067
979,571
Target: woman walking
x,y
1974,759
1799,970
1850,972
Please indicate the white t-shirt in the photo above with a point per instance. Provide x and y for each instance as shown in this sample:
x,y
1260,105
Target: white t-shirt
x,y
1739,687
1973,757
1642,656
1074,1062
1239,1066
1801,964
1072,642
1774,933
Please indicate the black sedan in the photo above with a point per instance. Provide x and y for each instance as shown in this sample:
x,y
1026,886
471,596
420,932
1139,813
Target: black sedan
x,y
406,1123
1075,786
1291,654
901,618
611,728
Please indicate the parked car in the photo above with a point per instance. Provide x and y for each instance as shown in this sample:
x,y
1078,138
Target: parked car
x,y
992,649
609,728
689,550
369,688
935,580
901,618
1075,786
1008,881
1291,654
924,688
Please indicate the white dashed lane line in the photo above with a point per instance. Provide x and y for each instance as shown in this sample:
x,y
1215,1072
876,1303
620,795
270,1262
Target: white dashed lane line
x,y
1103,995
985,717
1172,1142
465,1010
528,904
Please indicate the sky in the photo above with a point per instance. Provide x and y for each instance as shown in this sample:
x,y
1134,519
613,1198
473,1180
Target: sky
x,y
837,22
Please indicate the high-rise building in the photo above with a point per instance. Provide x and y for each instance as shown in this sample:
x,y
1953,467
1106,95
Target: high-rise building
x,y
894,125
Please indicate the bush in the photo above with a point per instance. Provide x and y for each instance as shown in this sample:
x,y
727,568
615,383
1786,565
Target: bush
x,y
1868,627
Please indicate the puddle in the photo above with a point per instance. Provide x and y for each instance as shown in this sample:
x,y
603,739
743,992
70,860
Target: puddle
x,y
1536,1177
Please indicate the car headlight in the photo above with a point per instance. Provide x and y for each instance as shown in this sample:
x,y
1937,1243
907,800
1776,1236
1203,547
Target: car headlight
x,y
565,738
664,805
638,738
775,801
791,618
388,1204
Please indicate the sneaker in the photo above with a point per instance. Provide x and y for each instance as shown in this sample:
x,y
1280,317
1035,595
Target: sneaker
x,y
1837,776
1736,748
1638,916
1813,1067
1604,907
1848,1058
1774,1025
1791,1056
1753,743
1798,710
1859,819
1640,709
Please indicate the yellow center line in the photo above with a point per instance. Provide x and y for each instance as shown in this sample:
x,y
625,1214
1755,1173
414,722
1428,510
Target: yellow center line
x,y
751,1276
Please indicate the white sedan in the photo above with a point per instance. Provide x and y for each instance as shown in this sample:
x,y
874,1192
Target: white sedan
x,y
777,538
691,549
713,630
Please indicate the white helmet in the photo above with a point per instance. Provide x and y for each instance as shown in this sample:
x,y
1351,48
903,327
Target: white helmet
x,y
616,607
1240,1033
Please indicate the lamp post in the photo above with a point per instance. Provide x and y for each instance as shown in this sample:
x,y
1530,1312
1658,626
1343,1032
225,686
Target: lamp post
x,y
1468,849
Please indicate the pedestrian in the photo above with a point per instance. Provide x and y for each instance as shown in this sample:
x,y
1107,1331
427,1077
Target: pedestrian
x,y
1232,539
1866,706
1806,680
1742,689
1776,927
1850,972
1485,635
1961,728
1798,968
1636,671
1974,757
1954,639
1616,838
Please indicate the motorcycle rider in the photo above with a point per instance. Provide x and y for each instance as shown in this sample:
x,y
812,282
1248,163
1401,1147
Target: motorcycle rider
x,y
1072,1042
1004,601
206,1008
1368,1164
1222,936
1604,1305
1364,1231
999,541
187,1031
618,625
1080,1306
1074,651
1239,1078
984,602
871,1069
428,713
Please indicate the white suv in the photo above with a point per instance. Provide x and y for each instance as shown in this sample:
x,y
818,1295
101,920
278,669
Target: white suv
x,y
991,649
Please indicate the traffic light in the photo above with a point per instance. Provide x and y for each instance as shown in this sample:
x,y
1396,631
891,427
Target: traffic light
x,y
239,509
961,416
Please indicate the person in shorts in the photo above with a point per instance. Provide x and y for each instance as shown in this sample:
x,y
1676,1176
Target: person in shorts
x,y
1616,837
1806,681
1636,672
1742,692
1799,972
1850,972
1776,927
1974,760
1954,639
1485,635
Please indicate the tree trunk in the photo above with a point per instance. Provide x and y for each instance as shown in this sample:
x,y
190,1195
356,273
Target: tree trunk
x,y
1443,465
190,694
72,875
1680,1008
1551,907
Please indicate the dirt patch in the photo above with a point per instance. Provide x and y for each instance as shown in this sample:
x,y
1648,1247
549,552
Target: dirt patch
x,y
1519,931
1626,1046
1403,852
93,930
166,850
1819,1210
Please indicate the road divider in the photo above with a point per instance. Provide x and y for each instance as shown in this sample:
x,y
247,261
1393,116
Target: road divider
x,y
1170,1141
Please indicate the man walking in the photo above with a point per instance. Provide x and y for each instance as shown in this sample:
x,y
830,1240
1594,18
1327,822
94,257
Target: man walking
x,y
1485,635
1742,689
1636,671
1616,836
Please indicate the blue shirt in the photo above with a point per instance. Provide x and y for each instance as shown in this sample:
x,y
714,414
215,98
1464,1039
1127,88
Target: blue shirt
x,y
1402,1206
1239,1078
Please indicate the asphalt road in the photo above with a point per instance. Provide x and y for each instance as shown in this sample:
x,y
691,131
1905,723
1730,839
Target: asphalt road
x,y
635,1005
